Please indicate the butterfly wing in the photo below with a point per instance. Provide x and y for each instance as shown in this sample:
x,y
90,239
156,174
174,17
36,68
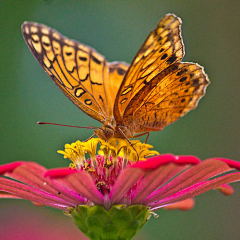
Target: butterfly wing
x,y
157,88
80,72
117,71
162,48
177,91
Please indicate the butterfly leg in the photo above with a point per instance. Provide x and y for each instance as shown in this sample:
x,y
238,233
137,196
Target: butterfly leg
x,y
142,134
148,133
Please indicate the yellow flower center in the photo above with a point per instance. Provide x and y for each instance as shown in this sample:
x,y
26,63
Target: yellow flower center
x,y
114,148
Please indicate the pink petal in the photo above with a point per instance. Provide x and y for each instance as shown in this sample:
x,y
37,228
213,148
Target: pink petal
x,y
59,172
82,183
32,194
9,167
8,195
126,179
154,179
204,170
33,174
226,189
230,163
197,189
155,162
184,205
187,159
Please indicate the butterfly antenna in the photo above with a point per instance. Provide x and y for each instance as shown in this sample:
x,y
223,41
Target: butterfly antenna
x,y
63,125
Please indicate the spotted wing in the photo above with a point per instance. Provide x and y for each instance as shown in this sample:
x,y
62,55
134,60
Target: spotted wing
x,y
176,91
158,88
80,72
162,48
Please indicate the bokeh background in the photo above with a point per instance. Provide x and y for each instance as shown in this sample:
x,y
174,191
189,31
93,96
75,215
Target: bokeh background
x,y
117,29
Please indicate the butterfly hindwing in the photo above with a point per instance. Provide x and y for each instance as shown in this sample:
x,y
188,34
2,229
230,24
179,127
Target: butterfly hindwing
x,y
178,90
117,71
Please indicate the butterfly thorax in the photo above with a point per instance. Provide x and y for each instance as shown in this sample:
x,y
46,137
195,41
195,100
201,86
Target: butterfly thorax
x,y
110,130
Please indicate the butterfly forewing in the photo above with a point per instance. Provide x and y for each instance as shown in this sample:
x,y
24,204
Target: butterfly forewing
x,y
162,89
162,48
79,71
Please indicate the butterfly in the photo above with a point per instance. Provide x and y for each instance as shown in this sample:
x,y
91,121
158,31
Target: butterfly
x,y
153,91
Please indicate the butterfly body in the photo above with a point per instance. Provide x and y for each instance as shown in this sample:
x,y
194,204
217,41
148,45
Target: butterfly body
x,y
153,91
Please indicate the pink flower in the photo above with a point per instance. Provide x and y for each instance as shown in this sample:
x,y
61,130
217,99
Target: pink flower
x,y
108,180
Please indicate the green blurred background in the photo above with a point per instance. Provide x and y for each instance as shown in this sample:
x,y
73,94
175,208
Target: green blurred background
x,y
117,29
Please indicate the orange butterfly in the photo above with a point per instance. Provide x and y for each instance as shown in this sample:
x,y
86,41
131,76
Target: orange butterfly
x,y
154,91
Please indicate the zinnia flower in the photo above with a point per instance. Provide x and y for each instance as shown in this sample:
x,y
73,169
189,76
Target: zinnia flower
x,y
113,194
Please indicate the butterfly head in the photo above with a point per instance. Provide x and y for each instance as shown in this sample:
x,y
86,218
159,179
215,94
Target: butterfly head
x,y
105,132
